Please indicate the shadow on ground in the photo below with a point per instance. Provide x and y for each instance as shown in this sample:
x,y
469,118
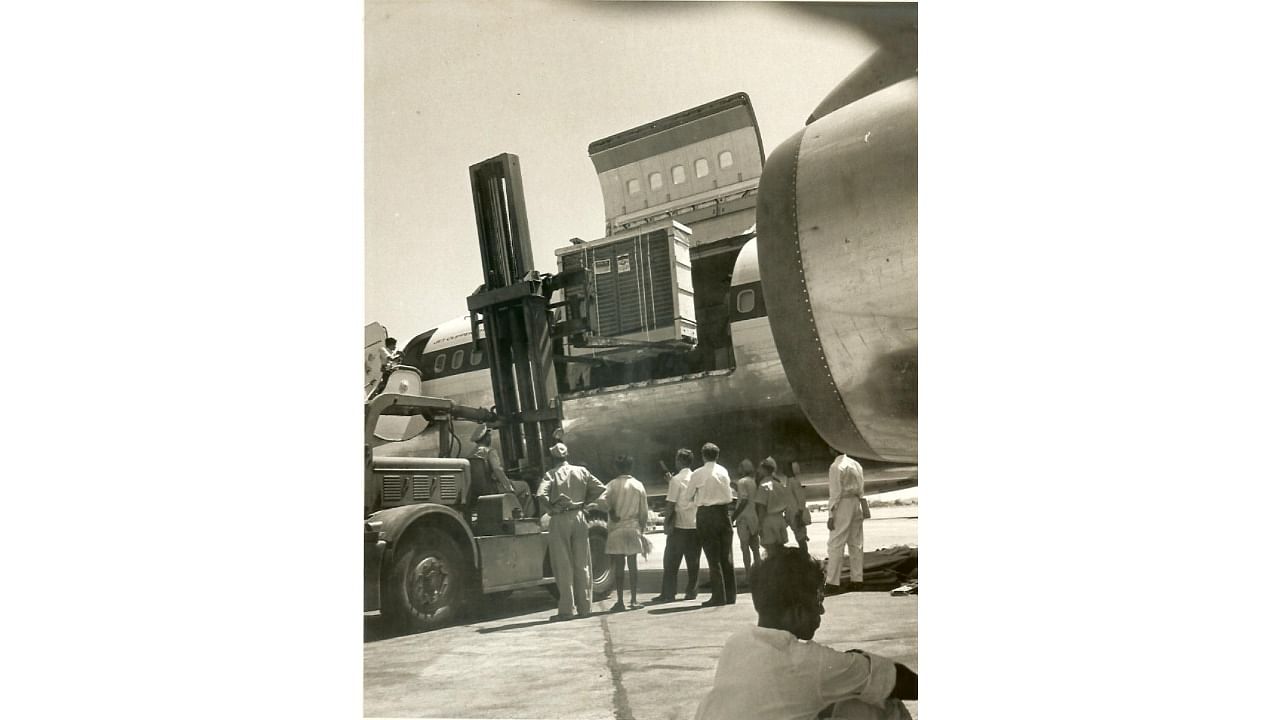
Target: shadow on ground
x,y
521,602
885,569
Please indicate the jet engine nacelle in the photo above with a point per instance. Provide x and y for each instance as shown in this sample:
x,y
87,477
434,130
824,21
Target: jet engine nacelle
x,y
836,226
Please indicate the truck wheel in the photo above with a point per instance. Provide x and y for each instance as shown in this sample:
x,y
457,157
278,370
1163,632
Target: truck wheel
x,y
428,584
602,579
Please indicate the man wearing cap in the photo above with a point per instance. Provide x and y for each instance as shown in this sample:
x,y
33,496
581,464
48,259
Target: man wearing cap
x,y
565,490
773,507
712,492
485,460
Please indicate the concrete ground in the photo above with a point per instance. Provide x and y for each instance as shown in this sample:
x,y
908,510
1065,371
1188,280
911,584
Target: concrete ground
x,y
508,661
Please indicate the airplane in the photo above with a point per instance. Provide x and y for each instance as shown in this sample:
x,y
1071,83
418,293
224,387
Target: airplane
x,y
806,286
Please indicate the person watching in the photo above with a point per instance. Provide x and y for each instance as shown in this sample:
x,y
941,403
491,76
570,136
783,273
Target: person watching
x,y
774,671
744,515
712,492
565,490
773,505
682,540
628,507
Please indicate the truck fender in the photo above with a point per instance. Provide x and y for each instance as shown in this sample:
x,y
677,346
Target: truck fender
x,y
392,523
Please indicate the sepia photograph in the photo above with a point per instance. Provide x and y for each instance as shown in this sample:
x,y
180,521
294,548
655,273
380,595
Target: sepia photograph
x,y
639,289
640,360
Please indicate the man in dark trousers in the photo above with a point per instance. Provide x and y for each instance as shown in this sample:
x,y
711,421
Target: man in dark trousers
x,y
682,532
712,491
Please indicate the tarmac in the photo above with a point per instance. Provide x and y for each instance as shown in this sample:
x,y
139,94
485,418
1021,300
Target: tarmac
x,y
657,661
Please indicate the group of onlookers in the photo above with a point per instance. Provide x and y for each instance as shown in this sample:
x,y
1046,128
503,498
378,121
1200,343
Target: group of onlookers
x,y
699,520
769,505
702,507
771,670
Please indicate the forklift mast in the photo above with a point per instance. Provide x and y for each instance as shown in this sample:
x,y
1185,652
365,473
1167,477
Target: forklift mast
x,y
511,320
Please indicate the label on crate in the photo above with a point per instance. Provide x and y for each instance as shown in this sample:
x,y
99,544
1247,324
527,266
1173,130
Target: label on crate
x,y
624,263
602,267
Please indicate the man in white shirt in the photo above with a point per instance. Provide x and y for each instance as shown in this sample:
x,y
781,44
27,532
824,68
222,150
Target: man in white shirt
x,y
844,479
774,671
390,358
713,494
682,541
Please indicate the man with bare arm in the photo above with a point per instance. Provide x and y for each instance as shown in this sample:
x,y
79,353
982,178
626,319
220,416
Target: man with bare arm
x,y
775,671
682,535
566,489
744,516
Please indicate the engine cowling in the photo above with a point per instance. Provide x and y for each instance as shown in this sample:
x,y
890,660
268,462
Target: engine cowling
x,y
837,229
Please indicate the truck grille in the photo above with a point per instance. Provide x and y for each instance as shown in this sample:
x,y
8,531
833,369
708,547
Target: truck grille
x,y
422,488
448,489
391,489
441,489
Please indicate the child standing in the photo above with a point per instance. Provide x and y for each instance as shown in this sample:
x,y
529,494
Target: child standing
x,y
628,506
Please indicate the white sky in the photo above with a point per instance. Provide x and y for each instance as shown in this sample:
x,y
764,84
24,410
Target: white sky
x,y
448,84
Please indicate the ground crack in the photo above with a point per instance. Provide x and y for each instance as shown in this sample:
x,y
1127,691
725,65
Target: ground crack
x,y
621,706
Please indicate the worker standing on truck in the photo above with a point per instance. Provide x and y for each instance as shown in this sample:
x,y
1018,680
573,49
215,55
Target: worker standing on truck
x,y
487,464
566,489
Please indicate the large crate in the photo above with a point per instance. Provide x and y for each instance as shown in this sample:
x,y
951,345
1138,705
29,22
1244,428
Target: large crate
x,y
641,286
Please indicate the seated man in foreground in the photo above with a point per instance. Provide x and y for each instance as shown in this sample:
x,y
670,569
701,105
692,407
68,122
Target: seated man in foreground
x,y
773,671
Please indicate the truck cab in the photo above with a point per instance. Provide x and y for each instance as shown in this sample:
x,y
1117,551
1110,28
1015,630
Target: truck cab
x,y
432,547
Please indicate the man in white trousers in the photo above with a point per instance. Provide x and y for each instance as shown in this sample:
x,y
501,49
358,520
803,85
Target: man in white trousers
x,y
844,480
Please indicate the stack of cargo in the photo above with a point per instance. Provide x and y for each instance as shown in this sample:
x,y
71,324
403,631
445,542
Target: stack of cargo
x,y
639,289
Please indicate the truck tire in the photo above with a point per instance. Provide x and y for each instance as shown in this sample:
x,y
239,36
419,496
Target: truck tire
x,y
602,580
429,584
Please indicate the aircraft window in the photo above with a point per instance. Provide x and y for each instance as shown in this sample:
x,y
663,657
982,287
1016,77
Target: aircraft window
x,y
440,360
457,359
633,186
677,175
726,159
746,301
700,167
476,357
655,181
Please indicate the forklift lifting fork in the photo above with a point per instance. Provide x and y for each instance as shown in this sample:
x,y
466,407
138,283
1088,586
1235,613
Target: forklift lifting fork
x,y
431,544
